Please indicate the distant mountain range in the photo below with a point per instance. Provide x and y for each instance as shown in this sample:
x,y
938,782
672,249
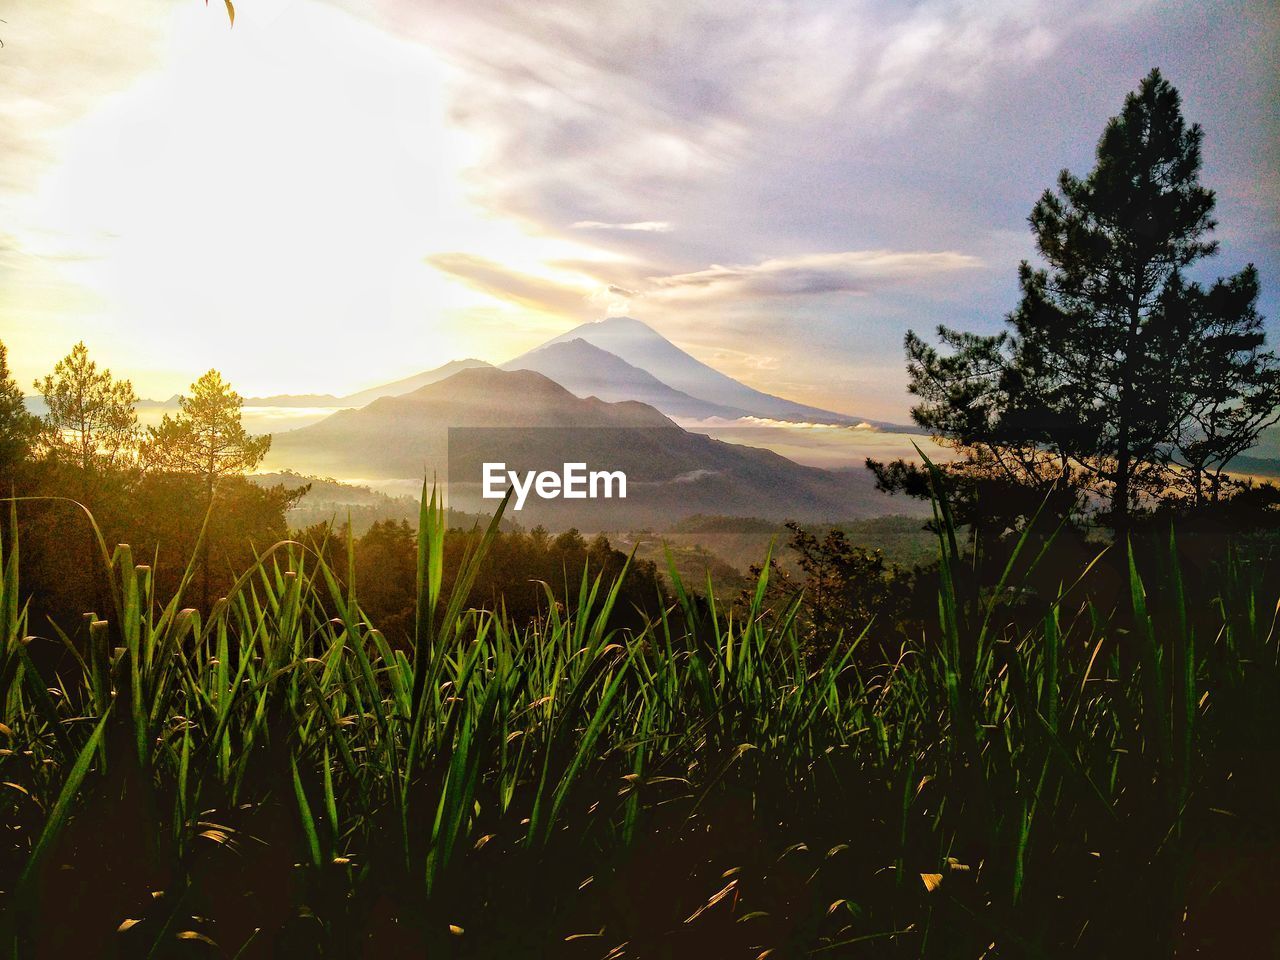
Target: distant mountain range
x,y
36,405
615,359
606,393
359,399
641,346
528,420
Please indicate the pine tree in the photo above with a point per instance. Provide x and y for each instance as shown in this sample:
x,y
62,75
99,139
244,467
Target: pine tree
x,y
17,426
1235,393
90,430
1118,375
91,421
207,441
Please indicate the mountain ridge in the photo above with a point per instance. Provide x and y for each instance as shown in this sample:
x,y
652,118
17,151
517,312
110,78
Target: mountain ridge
x,y
641,346
586,370
362,397
524,419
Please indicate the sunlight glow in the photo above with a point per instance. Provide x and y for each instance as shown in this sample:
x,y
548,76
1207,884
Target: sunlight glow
x,y
264,200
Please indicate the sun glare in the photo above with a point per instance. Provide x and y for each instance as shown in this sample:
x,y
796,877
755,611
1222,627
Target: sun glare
x,y
282,185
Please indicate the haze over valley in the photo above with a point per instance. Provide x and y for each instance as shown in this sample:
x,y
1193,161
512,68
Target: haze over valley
x,y
573,399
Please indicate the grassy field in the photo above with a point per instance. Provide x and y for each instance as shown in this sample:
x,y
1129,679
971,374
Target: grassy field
x,y
1028,777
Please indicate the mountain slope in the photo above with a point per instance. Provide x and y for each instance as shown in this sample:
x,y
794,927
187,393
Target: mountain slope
x,y
586,370
643,347
362,397
407,436
528,421
36,406
400,387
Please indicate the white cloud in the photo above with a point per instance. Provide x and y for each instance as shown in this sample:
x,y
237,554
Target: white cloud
x,y
851,272
801,179
643,226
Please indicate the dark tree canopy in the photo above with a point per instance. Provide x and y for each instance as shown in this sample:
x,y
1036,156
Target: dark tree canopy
x,y
152,491
1120,382
18,428
206,442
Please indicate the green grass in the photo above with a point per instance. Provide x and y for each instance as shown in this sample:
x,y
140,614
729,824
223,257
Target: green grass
x,y
275,779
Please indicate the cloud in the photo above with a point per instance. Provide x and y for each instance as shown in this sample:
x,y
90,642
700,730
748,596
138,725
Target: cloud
x,y
782,188
912,139
643,226
57,64
850,272
591,111
535,293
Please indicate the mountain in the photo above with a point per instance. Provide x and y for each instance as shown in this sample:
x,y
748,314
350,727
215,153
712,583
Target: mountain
x,y
295,400
527,421
586,370
1268,445
359,399
173,403
36,406
1268,467
408,384
640,345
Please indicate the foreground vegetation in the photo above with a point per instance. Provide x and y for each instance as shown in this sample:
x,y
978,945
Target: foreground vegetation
x,y
1034,775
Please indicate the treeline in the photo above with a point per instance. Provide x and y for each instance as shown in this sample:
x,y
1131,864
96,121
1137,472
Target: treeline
x,y
530,575
151,488
178,493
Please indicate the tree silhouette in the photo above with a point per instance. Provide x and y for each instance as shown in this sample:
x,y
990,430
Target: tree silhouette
x,y
207,441
17,426
1118,377
1235,389
90,429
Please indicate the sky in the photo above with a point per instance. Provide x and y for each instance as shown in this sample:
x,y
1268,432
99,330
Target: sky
x,y
331,194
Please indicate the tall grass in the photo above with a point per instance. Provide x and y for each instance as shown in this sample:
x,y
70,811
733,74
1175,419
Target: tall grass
x,y
276,779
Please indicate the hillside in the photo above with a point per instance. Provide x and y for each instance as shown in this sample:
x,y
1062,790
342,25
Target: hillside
x,y
642,346
528,421
337,503
588,371
359,399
